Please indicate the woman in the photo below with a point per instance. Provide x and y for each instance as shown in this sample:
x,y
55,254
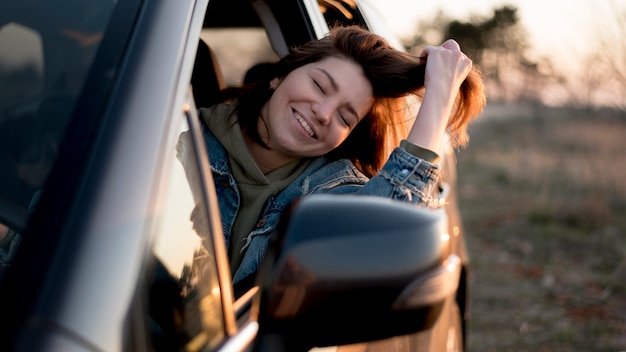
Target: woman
x,y
324,120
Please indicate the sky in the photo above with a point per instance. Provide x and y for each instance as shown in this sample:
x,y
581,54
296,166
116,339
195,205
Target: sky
x,y
562,29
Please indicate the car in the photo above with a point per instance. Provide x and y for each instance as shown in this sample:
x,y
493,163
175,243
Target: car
x,y
97,249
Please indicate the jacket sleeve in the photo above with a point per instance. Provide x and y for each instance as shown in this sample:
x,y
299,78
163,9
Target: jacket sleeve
x,y
404,177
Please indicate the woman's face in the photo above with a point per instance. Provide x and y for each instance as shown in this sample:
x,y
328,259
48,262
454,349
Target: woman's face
x,y
315,107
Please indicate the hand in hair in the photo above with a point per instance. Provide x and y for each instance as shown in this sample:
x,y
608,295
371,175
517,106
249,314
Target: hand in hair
x,y
446,70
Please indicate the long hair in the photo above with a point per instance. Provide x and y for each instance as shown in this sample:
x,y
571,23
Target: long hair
x,y
393,74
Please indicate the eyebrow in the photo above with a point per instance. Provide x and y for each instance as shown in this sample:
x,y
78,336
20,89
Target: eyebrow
x,y
333,83
330,78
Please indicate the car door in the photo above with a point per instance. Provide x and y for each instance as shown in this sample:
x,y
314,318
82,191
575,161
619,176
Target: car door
x,y
105,256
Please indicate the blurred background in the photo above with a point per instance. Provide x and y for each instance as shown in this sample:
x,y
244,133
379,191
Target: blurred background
x,y
555,52
542,185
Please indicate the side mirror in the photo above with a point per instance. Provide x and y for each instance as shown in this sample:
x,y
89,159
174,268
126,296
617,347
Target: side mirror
x,y
346,269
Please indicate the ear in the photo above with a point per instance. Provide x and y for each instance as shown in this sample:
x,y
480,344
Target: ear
x,y
274,83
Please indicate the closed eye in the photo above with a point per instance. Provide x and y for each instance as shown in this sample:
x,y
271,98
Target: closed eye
x,y
344,120
319,86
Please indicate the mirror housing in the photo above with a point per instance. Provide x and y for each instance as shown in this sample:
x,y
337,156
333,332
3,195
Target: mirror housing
x,y
347,269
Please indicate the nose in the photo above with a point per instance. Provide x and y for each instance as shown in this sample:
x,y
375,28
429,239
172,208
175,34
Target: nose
x,y
323,111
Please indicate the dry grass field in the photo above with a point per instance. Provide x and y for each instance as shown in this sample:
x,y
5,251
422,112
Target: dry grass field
x,y
543,199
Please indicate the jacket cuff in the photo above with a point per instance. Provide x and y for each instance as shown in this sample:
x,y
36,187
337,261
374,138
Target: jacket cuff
x,y
409,172
422,153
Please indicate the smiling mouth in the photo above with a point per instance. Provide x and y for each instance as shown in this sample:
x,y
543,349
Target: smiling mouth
x,y
304,124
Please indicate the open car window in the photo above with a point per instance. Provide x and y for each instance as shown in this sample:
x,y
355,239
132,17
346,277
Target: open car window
x,y
237,50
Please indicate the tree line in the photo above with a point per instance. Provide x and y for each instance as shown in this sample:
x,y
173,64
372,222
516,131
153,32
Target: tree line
x,y
498,44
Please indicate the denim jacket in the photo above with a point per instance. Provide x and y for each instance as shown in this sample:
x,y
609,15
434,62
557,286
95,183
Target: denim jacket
x,y
404,177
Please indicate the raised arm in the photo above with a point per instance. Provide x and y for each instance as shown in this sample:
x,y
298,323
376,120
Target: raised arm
x,y
446,69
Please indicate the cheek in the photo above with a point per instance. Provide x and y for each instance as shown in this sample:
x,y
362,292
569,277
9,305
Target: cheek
x,y
273,108
338,137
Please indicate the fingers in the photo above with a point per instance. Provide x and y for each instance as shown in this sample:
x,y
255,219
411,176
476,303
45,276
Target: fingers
x,y
448,45
446,67
454,47
451,44
450,49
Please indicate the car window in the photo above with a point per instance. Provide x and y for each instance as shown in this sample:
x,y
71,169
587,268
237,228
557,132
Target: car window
x,y
45,57
185,299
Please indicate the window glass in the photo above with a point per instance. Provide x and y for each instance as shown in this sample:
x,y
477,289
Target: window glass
x,y
185,298
25,157
46,52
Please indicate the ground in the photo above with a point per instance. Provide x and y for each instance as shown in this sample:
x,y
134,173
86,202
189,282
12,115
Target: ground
x,y
543,199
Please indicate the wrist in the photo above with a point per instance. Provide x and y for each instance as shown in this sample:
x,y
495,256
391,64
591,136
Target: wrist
x,y
430,124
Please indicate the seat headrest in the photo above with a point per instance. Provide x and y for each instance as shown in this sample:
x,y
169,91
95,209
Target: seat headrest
x,y
206,79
